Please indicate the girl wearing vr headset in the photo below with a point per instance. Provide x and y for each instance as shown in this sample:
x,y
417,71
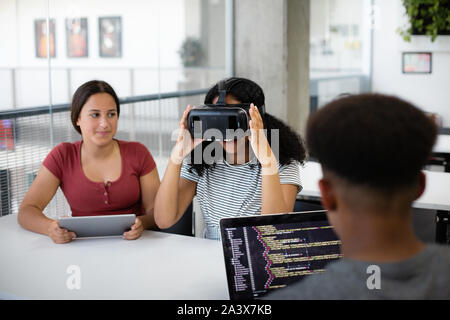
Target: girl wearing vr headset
x,y
246,179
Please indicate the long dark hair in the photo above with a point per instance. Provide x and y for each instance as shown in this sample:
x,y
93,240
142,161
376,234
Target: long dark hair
x,y
84,92
291,146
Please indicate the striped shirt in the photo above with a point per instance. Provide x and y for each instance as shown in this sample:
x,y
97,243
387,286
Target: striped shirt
x,y
233,190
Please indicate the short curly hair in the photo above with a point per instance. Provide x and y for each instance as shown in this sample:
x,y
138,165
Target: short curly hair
x,y
374,140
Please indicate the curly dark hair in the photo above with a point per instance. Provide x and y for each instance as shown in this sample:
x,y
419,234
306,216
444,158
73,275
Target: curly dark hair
x,y
372,139
291,146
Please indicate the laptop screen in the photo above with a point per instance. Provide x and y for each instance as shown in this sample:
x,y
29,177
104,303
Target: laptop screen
x,y
268,252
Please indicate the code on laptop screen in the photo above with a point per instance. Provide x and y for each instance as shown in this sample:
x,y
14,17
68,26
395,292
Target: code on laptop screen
x,y
262,258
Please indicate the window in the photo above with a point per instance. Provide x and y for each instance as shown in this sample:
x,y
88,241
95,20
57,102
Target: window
x,y
142,48
139,47
340,48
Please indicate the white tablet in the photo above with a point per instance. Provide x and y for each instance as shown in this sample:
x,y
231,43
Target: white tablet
x,y
98,226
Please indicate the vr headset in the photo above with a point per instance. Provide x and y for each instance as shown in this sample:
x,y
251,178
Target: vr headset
x,y
221,121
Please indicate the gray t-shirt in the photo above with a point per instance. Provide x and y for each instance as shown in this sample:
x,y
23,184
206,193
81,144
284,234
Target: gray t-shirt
x,y
424,276
233,190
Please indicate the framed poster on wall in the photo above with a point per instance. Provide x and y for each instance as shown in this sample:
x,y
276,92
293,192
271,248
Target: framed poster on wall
x,y
40,38
416,62
77,37
110,37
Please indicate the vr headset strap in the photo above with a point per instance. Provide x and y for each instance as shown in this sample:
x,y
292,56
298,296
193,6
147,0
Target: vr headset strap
x,y
222,94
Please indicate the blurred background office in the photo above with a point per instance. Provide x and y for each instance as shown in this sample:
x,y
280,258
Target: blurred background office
x,y
160,55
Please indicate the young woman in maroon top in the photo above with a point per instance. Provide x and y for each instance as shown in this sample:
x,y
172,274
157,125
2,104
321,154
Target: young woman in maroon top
x,y
98,175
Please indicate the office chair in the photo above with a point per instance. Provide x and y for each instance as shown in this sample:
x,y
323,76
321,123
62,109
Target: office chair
x,y
184,225
307,205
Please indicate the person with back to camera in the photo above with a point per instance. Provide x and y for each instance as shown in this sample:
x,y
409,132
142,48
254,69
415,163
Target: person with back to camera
x,y
98,175
239,184
372,148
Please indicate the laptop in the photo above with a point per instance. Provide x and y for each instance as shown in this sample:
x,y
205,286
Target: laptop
x,y
98,226
268,252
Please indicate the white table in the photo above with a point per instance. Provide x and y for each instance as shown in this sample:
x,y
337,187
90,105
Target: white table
x,y
435,197
442,144
441,149
156,266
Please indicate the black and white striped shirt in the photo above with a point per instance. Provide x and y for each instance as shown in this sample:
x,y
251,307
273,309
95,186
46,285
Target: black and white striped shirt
x,y
233,190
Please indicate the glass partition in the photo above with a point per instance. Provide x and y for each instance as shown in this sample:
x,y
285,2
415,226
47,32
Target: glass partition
x,y
144,49
139,47
340,48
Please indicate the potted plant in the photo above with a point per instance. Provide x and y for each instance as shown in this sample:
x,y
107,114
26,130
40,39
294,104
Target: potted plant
x,y
191,52
426,17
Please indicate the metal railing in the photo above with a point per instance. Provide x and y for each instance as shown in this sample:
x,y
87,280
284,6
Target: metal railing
x,y
25,139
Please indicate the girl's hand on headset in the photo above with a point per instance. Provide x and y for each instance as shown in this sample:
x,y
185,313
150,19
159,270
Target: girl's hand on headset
x,y
260,144
185,143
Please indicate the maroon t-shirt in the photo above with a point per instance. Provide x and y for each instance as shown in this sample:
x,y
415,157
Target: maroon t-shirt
x,y
89,198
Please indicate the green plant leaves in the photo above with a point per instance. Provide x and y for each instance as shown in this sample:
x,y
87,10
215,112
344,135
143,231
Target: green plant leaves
x,y
428,17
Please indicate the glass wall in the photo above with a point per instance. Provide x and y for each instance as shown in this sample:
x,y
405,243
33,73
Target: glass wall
x,y
143,48
139,47
340,48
